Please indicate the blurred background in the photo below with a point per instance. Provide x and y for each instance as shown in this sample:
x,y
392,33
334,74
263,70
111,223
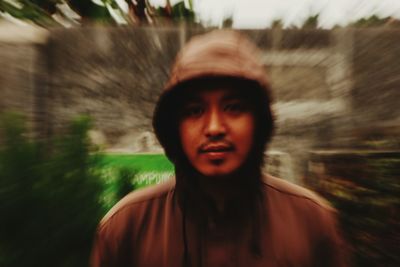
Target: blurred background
x,y
79,81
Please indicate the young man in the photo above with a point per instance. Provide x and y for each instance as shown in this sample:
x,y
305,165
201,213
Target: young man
x,y
214,121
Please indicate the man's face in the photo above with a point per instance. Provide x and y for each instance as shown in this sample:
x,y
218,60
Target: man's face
x,y
216,130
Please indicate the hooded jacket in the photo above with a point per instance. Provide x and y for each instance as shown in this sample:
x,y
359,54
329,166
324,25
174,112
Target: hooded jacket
x,y
271,223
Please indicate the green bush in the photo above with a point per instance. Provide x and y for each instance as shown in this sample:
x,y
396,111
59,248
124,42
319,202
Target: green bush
x,y
49,196
365,188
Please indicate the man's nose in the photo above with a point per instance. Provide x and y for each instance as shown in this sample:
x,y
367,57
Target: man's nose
x,y
215,125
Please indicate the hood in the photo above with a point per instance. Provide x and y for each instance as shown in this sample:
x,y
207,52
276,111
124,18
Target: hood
x,y
217,54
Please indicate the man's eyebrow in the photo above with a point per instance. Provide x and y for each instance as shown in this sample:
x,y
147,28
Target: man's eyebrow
x,y
234,96
190,98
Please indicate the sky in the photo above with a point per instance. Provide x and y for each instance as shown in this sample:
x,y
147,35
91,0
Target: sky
x,y
262,13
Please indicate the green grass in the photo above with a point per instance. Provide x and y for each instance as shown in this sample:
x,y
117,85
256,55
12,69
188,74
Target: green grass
x,y
144,169
141,162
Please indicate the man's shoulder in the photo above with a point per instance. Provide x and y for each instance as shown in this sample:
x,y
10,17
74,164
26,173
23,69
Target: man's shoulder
x,y
140,197
285,189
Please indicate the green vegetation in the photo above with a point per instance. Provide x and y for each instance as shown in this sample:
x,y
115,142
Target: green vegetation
x,y
142,162
54,192
365,189
49,196
124,173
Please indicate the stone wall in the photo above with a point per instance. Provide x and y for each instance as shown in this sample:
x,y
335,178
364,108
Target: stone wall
x,y
375,96
114,79
21,68
332,89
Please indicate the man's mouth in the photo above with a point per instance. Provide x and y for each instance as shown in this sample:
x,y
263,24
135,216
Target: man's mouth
x,y
216,148
216,151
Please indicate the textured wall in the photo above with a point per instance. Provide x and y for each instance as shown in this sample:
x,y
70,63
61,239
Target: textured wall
x,y
375,98
22,66
113,75
17,78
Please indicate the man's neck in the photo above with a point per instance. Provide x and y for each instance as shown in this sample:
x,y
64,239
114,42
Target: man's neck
x,y
223,190
220,197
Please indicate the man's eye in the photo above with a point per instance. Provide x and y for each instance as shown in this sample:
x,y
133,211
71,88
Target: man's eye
x,y
235,107
193,111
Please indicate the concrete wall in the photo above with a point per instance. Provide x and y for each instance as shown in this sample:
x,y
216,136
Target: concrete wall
x,y
332,89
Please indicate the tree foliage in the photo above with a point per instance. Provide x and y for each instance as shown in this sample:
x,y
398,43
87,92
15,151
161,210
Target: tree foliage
x,y
49,197
372,21
49,13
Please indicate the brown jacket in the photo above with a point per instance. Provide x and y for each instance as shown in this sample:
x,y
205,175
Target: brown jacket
x,y
144,229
